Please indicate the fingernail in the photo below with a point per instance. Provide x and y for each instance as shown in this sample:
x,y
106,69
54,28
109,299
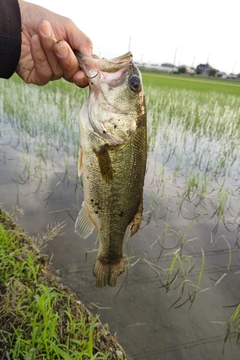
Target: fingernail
x,y
61,49
46,29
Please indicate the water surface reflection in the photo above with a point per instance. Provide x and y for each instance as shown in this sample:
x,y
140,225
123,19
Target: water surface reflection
x,y
182,267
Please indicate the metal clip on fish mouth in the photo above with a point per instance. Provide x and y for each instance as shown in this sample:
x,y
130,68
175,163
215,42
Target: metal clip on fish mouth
x,y
88,64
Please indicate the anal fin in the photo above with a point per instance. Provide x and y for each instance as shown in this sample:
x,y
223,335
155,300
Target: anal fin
x,y
83,226
137,219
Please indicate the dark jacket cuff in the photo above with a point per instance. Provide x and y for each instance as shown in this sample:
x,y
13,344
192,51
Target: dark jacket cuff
x,y
10,37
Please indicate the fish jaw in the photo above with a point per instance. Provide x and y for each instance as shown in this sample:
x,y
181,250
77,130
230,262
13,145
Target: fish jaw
x,y
88,64
93,65
108,80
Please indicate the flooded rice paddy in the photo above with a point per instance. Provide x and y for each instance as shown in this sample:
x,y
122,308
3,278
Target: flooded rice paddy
x,y
179,295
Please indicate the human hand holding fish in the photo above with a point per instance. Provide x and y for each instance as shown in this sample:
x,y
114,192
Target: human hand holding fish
x,y
112,159
46,48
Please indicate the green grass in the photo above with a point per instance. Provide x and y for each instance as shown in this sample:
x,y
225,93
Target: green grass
x,y
38,317
192,83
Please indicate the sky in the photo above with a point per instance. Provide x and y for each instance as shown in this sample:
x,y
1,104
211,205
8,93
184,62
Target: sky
x,y
183,32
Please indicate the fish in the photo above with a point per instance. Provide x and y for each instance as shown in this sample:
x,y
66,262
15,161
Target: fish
x,y
112,159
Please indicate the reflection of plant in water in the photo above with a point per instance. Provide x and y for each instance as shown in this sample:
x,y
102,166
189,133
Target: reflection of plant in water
x,y
195,288
176,276
52,231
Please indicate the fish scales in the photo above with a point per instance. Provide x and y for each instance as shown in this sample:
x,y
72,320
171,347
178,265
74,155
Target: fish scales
x,y
113,176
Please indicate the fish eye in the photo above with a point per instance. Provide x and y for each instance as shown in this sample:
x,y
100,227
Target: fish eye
x,y
134,83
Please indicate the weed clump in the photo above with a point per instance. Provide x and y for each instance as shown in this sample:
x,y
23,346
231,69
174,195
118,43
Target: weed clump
x,y
39,318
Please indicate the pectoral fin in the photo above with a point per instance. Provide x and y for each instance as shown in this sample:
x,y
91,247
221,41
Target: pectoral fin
x,y
105,164
83,226
137,219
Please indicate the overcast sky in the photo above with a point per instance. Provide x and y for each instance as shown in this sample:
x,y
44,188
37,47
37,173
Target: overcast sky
x,y
188,32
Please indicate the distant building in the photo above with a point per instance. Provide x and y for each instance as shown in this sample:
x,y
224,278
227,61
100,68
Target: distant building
x,y
169,67
189,69
221,74
166,68
231,76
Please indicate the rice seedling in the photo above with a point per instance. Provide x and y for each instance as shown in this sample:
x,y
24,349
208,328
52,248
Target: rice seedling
x,y
235,318
214,242
233,326
43,124
193,134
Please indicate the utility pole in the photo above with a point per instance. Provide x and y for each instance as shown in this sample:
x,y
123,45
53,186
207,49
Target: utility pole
x,y
129,44
193,61
174,60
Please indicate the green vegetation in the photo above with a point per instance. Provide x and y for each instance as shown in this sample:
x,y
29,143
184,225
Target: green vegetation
x,y
234,324
40,319
193,172
191,83
194,157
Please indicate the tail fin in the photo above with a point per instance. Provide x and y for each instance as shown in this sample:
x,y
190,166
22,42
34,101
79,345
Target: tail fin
x,y
106,273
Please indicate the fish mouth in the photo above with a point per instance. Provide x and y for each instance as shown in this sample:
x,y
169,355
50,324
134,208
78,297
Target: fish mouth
x,y
118,63
93,65
101,72
87,64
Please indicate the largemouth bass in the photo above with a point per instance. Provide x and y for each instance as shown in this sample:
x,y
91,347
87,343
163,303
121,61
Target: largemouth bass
x,y
112,159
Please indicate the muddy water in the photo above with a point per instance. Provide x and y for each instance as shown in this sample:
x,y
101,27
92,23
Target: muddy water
x,y
155,314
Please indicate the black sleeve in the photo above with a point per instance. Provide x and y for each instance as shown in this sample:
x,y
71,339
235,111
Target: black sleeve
x,y
10,37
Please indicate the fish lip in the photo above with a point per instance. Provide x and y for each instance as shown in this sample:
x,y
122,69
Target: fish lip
x,y
93,66
116,64
88,64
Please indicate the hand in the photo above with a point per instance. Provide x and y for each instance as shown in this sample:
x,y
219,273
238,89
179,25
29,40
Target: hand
x,y
47,47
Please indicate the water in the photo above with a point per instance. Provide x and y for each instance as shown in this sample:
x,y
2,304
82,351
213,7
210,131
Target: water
x,y
159,311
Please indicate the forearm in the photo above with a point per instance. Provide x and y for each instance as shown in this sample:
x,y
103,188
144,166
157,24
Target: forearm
x,y
10,37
